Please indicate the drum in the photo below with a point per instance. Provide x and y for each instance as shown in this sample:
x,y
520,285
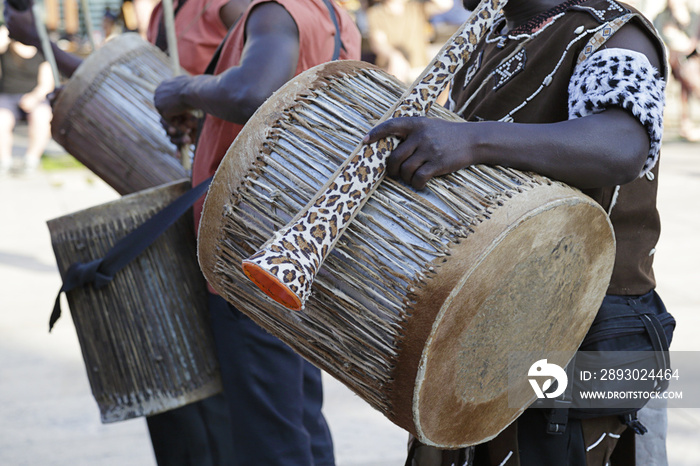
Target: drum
x,y
145,337
425,297
104,116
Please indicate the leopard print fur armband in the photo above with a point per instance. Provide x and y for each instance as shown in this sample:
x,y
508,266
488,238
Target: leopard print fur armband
x,y
621,78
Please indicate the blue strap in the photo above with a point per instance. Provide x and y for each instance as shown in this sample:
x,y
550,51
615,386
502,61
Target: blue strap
x,y
338,42
100,272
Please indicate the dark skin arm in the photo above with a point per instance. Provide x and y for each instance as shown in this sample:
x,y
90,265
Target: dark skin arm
x,y
605,149
233,10
269,60
22,28
184,132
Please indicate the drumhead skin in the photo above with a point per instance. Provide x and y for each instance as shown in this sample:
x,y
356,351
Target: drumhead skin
x,y
526,284
428,293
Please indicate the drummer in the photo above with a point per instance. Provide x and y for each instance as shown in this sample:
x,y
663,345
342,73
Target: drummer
x,y
276,395
198,434
594,123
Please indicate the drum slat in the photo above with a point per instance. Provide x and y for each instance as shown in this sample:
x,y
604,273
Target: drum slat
x,y
145,342
105,116
366,275
300,141
297,181
318,124
337,115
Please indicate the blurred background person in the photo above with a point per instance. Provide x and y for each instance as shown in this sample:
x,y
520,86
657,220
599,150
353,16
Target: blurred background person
x,y
445,24
25,81
110,26
679,26
358,12
63,21
135,15
399,33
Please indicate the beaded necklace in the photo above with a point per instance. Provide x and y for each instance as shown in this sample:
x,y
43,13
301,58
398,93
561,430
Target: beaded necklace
x,y
537,21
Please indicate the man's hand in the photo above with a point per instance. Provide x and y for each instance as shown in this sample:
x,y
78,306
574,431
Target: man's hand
x,y
53,96
182,130
22,26
429,147
176,115
169,98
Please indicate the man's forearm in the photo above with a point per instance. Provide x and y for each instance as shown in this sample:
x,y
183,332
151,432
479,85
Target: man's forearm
x,y
605,149
212,95
66,62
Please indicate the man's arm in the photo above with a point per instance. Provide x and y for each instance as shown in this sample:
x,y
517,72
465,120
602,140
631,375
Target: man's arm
x,y
22,28
4,40
231,11
269,60
604,149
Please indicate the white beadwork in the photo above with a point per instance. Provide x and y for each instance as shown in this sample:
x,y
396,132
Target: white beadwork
x,y
509,68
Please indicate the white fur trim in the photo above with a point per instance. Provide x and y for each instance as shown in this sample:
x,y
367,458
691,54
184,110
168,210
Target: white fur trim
x,y
621,78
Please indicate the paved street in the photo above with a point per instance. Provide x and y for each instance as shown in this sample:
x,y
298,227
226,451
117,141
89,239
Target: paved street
x,y
47,413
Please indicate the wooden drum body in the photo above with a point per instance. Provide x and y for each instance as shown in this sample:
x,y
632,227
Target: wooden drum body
x,y
104,116
145,337
428,293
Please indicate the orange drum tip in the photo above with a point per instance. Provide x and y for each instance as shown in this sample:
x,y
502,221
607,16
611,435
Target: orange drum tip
x,y
271,286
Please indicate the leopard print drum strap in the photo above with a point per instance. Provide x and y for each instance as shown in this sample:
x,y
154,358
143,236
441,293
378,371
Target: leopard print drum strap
x,y
286,265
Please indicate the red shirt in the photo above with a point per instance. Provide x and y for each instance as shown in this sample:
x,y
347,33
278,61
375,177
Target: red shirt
x,y
199,31
316,44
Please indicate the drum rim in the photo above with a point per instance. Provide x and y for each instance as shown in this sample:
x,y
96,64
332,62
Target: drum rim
x,y
84,76
530,206
93,214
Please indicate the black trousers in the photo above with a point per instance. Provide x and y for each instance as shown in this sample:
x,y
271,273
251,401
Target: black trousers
x,y
274,395
197,434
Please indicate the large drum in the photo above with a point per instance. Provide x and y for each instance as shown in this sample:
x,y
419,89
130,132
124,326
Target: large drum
x,y
145,337
104,116
429,294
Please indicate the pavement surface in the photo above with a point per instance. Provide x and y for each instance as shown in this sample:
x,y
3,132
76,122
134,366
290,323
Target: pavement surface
x,y
49,417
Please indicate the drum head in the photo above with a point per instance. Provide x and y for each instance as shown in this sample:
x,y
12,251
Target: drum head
x,y
533,286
